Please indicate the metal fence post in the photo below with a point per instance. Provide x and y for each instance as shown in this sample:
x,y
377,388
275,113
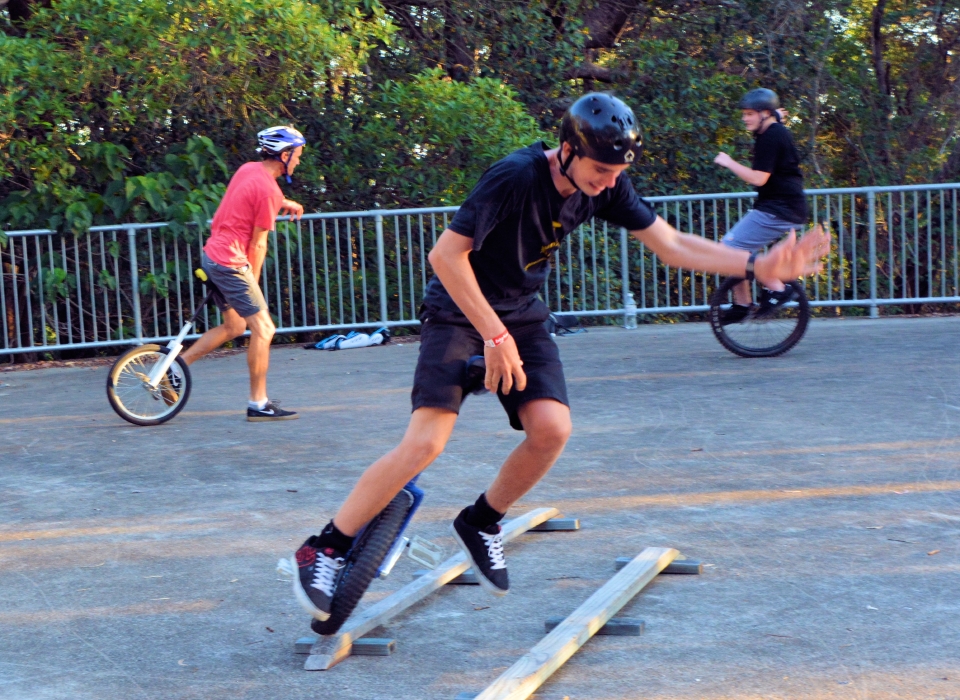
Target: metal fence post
x,y
135,282
872,207
381,267
625,273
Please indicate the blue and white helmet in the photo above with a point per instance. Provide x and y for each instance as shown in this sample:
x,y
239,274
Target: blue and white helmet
x,y
277,139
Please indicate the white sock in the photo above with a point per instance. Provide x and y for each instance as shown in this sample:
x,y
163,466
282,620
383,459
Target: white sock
x,y
258,405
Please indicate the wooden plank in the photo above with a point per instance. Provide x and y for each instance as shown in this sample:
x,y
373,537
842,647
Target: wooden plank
x,y
329,651
472,696
618,626
523,678
681,565
557,525
467,578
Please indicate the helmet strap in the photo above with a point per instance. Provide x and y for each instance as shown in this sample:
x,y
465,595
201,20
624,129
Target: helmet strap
x,y
564,166
285,173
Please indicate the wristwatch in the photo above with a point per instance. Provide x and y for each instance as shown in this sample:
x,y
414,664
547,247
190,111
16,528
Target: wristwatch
x,y
749,275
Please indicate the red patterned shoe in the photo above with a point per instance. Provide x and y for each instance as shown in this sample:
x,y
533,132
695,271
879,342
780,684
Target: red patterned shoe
x,y
316,577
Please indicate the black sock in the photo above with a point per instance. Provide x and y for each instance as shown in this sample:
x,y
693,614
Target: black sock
x,y
481,515
330,536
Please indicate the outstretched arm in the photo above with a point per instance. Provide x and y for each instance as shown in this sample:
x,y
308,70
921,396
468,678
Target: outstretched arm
x,y
450,259
787,260
757,178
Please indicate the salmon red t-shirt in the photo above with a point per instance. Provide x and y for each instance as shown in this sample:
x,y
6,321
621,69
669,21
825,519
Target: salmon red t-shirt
x,y
252,200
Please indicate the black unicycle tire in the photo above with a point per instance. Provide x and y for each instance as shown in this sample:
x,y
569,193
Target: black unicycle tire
x,y
117,405
363,560
719,298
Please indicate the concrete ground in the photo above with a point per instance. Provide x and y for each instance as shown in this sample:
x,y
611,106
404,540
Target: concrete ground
x,y
821,489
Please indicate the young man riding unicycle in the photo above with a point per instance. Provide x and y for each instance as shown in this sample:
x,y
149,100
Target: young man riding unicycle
x,y
780,206
234,255
490,265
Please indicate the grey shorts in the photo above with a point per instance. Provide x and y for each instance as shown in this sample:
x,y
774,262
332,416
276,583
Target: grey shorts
x,y
236,289
758,229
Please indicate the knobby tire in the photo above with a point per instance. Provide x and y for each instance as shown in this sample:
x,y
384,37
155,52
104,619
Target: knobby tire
x,y
363,560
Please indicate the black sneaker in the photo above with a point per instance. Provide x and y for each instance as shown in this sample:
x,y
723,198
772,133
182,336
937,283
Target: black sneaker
x,y
484,549
316,577
770,302
734,314
271,411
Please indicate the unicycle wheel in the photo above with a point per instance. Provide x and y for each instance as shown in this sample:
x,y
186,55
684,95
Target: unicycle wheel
x,y
763,332
131,396
362,561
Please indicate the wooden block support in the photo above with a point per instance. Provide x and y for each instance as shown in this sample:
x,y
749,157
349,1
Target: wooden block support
x,y
618,626
367,646
304,645
678,566
373,646
522,679
329,651
467,578
557,524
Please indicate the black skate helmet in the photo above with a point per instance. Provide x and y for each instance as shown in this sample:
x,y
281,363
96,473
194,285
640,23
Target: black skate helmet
x,y
601,127
761,99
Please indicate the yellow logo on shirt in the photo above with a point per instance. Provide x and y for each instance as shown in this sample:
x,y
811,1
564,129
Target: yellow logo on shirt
x,y
545,252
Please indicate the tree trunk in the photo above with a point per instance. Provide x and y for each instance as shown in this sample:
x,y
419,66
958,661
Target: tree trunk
x,y
882,71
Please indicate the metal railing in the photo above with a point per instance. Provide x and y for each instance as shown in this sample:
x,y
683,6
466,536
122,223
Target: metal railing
x,y
125,284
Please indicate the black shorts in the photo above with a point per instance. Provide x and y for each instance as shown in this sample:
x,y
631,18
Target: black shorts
x,y
448,340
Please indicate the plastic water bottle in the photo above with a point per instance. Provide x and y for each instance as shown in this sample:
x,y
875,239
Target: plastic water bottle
x,y
629,312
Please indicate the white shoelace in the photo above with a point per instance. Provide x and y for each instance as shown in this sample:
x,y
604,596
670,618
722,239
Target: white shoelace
x,y
325,573
495,549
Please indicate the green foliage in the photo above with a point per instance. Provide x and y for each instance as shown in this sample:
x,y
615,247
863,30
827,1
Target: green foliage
x,y
112,111
107,108
423,142
57,284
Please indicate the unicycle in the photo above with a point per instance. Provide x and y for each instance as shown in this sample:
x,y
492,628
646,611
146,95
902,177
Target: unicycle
x,y
150,384
380,544
767,330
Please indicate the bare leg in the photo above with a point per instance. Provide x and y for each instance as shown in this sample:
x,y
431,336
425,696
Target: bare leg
x,y
547,425
258,353
426,436
742,294
233,325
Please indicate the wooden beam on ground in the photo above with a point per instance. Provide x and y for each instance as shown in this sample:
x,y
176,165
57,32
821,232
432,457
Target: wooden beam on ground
x,y
522,679
329,651
472,696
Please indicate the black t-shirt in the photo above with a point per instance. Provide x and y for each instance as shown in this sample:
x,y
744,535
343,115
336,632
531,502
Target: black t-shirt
x,y
782,196
517,218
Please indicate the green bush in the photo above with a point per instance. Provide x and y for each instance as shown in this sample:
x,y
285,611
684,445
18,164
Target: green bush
x,y
109,110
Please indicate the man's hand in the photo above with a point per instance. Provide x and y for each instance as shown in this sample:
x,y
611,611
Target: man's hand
x,y
792,258
504,363
723,160
292,208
